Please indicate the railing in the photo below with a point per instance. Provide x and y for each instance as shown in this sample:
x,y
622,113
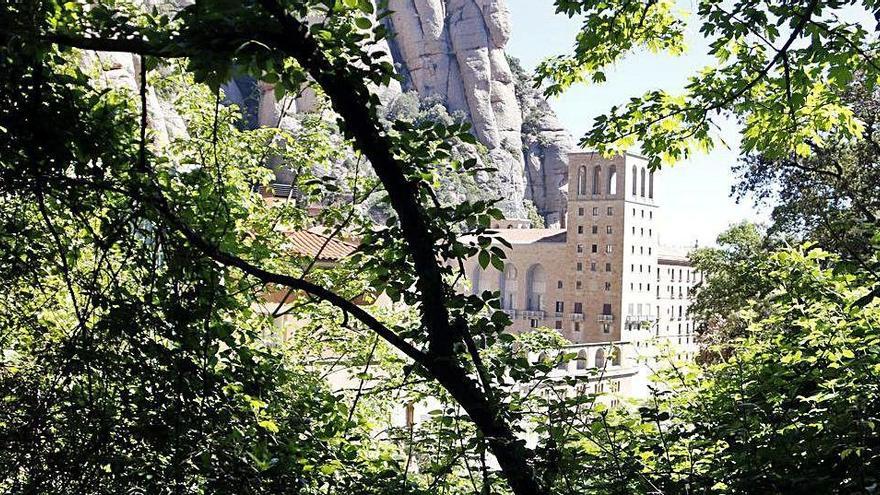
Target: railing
x,y
510,312
577,317
559,314
639,318
533,313
606,317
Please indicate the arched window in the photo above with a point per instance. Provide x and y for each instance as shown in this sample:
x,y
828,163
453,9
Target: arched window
x,y
508,287
536,284
582,360
597,180
651,185
615,356
582,181
612,180
475,279
642,184
563,363
635,180
600,358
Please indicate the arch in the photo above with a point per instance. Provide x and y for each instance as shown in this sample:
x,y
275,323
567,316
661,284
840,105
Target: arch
x,y
582,360
600,358
651,185
582,181
563,363
611,187
616,356
597,179
536,286
635,175
642,190
475,279
508,286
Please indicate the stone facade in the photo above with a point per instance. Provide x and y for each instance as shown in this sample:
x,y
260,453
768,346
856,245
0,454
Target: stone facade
x,y
603,281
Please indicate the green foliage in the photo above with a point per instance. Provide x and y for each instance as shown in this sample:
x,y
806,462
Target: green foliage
x,y
780,69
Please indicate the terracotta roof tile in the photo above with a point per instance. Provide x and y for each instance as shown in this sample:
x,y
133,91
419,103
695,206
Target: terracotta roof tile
x,y
319,246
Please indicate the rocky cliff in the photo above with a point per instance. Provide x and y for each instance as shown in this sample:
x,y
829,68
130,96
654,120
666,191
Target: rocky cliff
x,y
454,50
447,51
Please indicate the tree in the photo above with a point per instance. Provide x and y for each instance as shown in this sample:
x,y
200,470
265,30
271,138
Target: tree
x,y
83,159
830,197
734,278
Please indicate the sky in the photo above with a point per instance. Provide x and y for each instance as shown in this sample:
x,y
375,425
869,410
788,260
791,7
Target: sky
x,y
694,196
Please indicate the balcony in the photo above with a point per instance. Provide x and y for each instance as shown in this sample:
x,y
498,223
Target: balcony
x,y
606,318
533,313
510,312
639,318
577,317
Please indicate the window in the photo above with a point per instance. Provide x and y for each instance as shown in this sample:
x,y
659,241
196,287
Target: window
x,y
533,323
580,229
597,178
559,284
651,213
609,211
632,268
651,185
607,267
642,231
650,232
595,211
582,181
595,229
634,230
578,307
606,328
580,212
560,306
600,363
635,180
579,285
640,268
607,286
580,266
643,213
594,248
592,266
633,249
642,183
612,180
558,325
649,250
582,360
580,248
641,249
634,210
608,229
577,326
609,249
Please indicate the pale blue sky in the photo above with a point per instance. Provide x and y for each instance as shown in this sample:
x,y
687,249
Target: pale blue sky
x,y
694,196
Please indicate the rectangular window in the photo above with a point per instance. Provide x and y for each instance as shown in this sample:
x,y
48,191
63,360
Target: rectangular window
x,y
607,286
632,268
580,212
595,248
559,284
606,328
578,307
595,211
606,309
580,248
609,248
650,232
607,267
560,306
580,229
577,326
592,266
580,266
595,229
610,211
579,285
643,213
559,325
608,229
533,323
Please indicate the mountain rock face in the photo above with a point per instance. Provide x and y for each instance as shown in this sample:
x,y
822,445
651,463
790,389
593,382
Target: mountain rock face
x,y
447,51
454,50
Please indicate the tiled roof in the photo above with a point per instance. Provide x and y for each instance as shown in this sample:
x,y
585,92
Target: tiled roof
x,y
531,236
319,246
